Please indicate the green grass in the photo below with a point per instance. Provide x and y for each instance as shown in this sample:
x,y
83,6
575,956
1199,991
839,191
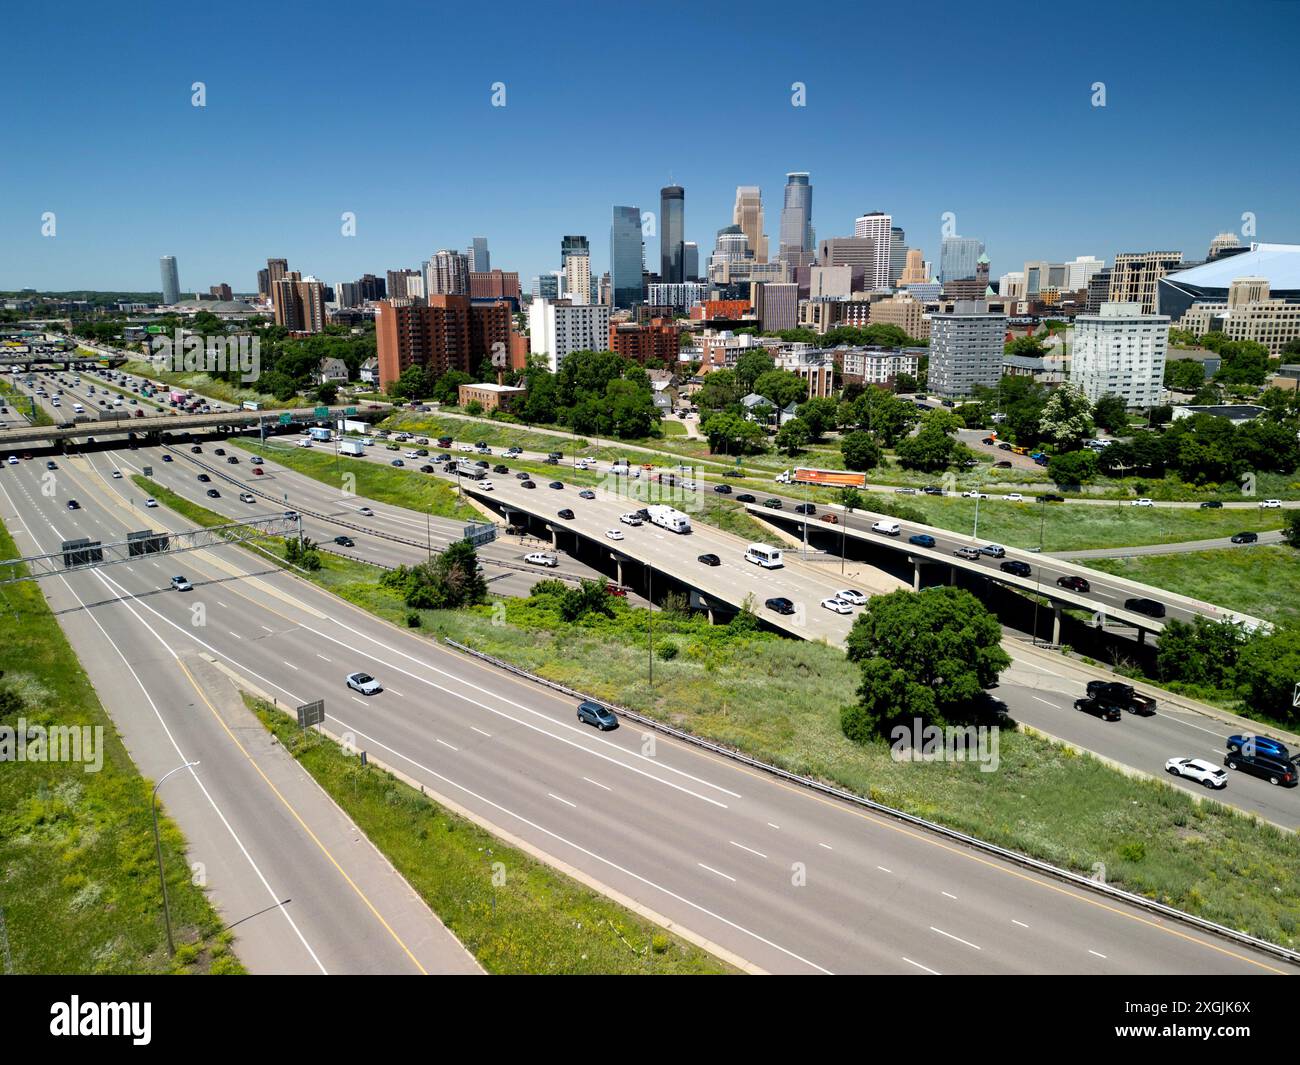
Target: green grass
x,y
80,887
212,387
400,487
534,920
779,700
1263,581
25,405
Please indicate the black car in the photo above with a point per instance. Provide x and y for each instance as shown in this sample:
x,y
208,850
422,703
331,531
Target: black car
x,y
1005,464
521,476
345,541
1211,504
932,490
1004,447
213,494
196,450
1149,607
442,458
1016,567
1105,711
586,493
745,497
233,460
566,514
528,484
805,508
772,504
167,458
594,714
710,560
426,468
1051,497
780,605
51,465
557,485
733,473
482,464
204,478
1075,584
722,489
1280,771
1246,538
498,468
220,451
73,505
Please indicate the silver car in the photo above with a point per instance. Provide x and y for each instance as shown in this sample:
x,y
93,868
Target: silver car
x,y
364,683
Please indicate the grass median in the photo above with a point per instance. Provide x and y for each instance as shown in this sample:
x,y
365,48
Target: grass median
x,y
80,890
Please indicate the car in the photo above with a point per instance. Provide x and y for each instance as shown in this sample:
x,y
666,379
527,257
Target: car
x,y
722,489
1265,746
397,462
258,471
1149,607
1199,770
246,497
805,508
988,440
465,447
1246,538
257,460
204,478
592,713
780,605
213,494
974,495
117,475
12,460
483,464
51,465
426,468
886,528
851,596
1105,711
1002,464
1014,497
709,560
1143,502
1270,504
994,551
586,493
528,484
971,554
1212,504
1279,771
772,504
1004,446
1016,568
364,683
166,458
220,451
1074,583
73,505
542,558
921,540
510,452
557,485
345,541
733,473
498,468
196,450
613,534
392,447
151,502
486,486
745,497
1051,497
566,514
837,606
932,490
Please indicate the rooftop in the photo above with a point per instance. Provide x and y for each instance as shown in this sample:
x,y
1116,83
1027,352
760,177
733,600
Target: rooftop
x,y
1280,263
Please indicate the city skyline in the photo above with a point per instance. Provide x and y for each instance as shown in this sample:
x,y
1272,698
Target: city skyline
x,y
204,197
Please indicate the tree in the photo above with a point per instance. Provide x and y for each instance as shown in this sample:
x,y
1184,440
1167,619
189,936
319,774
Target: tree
x,y
1031,347
929,653
449,580
1111,413
932,447
819,415
1184,375
1244,363
749,368
792,437
782,387
860,451
883,414
1066,418
721,389
1073,467
1201,652
413,383
731,434
905,382
1291,529
327,392
1268,668
590,597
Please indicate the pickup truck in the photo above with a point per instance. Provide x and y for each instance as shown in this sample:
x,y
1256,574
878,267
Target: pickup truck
x,y
1123,696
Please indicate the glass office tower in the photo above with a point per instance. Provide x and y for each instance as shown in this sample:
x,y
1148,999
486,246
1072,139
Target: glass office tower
x,y
672,234
626,257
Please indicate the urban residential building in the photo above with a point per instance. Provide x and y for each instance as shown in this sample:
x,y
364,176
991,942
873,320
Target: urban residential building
x,y
446,333
575,262
299,303
557,328
904,311
490,396
658,339
680,297
1120,351
966,348
776,305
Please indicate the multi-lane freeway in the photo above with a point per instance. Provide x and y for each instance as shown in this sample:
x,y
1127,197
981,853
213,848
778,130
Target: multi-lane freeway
x,y
781,878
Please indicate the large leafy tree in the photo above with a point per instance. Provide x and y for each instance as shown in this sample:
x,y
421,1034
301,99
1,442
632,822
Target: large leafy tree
x,y
932,447
819,415
732,434
781,387
1066,418
1267,670
860,451
1111,414
1072,467
930,654
792,437
750,367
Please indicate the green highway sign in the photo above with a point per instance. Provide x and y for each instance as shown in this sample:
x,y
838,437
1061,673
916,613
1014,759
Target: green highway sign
x,y
322,412
350,411
285,419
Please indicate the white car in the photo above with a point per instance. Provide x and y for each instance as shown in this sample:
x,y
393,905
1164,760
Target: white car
x,y
182,584
465,447
246,497
629,519
117,475
974,495
1198,770
304,443
1014,497
151,502
12,460
1144,502
485,486
613,534
851,595
412,454
365,512
541,558
690,486
839,606
364,683
1270,504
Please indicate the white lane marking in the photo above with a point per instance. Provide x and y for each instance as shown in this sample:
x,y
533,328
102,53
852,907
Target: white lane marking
x,y
445,743
744,848
393,692
235,635
884,870
269,629
1101,956
323,658
290,665
955,938
1043,669
565,801
826,845
357,699
597,783
924,968
716,872
222,605
481,732
771,825
953,897
1020,923
1045,702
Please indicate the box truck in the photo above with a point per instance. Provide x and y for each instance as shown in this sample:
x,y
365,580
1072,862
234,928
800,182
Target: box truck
x,y
669,518
319,432
351,447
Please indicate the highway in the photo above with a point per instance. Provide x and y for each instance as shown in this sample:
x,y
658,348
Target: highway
x,y
787,880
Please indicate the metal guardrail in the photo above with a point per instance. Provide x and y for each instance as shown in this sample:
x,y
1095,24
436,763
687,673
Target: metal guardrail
x,y
1023,860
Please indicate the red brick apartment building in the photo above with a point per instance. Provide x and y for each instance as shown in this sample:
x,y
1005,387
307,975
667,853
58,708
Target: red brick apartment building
x,y
449,333
658,340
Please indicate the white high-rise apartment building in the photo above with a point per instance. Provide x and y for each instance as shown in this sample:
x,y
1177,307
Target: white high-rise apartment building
x,y
1080,271
446,274
557,328
877,226
966,348
1120,352
577,278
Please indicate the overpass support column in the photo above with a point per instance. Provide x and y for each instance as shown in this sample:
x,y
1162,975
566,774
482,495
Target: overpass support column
x,y
555,537
712,621
619,563
1056,624
1142,637
916,575
952,574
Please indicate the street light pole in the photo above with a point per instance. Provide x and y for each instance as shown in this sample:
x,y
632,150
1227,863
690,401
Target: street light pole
x,y
976,530
157,842
650,623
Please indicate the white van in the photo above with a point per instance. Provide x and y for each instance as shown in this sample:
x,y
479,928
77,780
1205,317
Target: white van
x,y
762,555
886,528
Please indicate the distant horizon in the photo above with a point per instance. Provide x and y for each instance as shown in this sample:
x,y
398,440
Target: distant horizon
x,y
1000,134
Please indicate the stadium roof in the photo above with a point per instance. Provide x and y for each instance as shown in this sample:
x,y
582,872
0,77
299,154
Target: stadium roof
x,y
1280,263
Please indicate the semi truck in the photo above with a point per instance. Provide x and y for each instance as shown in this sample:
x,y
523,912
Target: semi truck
x,y
468,469
669,518
351,447
829,478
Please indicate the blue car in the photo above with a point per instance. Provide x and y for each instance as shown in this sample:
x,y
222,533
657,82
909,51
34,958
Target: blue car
x,y
1265,746
921,540
590,713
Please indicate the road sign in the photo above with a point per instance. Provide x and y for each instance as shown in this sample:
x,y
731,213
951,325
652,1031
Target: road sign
x,y
148,471
480,533
322,412
285,419
311,713
350,412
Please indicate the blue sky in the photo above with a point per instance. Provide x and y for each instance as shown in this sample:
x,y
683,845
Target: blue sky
x,y
915,109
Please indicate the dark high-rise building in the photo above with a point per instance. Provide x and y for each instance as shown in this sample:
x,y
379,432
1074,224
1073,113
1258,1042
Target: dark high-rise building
x,y
797,237
691,260
626,257
370,287
480,261
897,254
672,234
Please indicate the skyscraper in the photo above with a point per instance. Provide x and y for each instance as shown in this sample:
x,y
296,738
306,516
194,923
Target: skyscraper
x,y
171,281
877,227
797,237
480,260
626,257
897,254
275,271
691,260
958,257
447,274
672,234
748,214
575,261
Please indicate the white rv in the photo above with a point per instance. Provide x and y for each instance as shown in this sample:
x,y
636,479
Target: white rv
x,y
669,518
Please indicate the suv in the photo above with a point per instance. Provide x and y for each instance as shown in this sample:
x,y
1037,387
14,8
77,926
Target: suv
x,y
971,554
1105,711
780,605
1016,568
181,584
1259,745
994,551
1074,583
1280,771
1149,607
592,713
